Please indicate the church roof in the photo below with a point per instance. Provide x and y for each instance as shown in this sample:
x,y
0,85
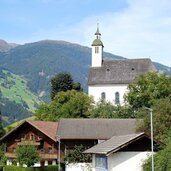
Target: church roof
x,y
120,71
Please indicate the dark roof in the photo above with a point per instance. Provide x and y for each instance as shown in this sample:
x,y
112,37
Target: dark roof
x,y
47,128
95,128
120,71
115,143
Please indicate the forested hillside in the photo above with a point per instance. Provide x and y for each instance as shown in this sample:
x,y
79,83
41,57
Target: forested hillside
x,y
37,62
16,100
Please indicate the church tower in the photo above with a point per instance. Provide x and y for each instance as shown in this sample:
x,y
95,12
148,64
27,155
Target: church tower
x,y
97,50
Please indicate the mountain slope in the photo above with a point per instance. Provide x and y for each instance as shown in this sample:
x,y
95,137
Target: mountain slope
x,y
4,46
37,62
163,68
15,97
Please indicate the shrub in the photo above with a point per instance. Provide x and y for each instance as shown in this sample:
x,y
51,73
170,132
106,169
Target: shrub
x,y
45,168
1,168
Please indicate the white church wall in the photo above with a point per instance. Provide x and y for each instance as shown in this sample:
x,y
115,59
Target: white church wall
x,y
109,90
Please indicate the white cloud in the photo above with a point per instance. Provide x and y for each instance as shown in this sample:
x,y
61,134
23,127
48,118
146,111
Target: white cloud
x,y
141,30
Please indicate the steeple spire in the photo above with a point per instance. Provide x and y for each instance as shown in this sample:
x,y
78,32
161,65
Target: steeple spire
x,y
97,49
97,41
98,34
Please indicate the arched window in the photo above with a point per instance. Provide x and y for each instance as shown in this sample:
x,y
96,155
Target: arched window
x,y
103,96
117,98
96,49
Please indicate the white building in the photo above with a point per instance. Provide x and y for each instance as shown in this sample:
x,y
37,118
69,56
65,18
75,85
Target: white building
x,y
108,79
121,153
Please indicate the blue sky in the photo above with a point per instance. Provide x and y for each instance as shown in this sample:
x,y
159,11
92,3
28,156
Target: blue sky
x,y
130,28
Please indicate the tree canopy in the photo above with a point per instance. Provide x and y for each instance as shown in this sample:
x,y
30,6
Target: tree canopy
x,y
3,159
153,91
76,155
27,154
104,109
63,82
147,88
69,104
162,160
161,119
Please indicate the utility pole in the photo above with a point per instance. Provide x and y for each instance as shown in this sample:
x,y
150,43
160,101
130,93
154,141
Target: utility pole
x,y
152,146
59,153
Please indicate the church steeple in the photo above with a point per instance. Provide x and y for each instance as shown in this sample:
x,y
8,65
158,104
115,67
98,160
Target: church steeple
x,y
97,41
97,49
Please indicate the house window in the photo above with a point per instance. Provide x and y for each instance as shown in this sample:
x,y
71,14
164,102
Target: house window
x,y
23,137
42,150
14,149
96,49
50,150
103,96
117,98
101,163
40,136
32,137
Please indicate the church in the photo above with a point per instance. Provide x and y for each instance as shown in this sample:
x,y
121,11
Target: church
x,y
108,79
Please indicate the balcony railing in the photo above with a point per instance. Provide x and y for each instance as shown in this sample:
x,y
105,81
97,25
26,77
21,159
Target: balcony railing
x,y
42,155
48,156
10,155
24,142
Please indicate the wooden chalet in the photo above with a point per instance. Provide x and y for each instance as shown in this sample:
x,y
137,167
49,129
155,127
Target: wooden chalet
x,y
49,136
39,133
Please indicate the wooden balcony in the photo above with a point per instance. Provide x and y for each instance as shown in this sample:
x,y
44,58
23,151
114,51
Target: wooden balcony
x,y
42,155
48,156
25,142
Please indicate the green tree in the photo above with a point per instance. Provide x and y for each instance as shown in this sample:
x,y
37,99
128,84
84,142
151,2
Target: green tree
x,y
3,159
2,132
162,160
69,104
104,109
61,82
77,86
27,154
147,88
161,119
76,155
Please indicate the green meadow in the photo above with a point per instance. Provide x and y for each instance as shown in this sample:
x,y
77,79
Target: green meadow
x,y
14,88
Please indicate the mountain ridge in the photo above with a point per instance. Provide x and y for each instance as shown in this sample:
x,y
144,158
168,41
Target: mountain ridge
x,y
37,62
4,46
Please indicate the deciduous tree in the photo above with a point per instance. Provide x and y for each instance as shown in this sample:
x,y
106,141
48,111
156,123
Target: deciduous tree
x,y
69,104
104,109
76,155
161,119
27,154
162,160
147,88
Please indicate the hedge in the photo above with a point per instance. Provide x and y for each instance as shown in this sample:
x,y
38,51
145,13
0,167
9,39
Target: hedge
x,y
45,168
